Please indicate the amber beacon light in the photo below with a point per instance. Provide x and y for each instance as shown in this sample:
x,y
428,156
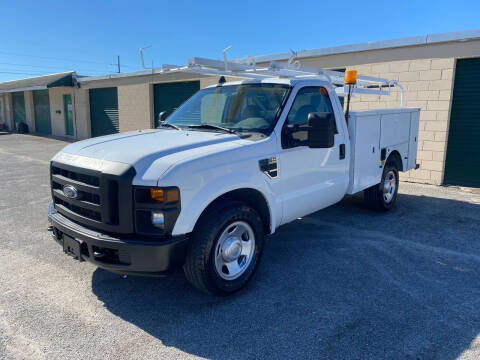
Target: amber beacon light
x,y
350,77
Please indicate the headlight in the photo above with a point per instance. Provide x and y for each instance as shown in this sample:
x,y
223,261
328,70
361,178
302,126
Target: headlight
x,y
156,209
158,219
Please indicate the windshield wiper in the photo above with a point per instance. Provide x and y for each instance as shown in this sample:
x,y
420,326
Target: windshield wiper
x,y
214,127
170,126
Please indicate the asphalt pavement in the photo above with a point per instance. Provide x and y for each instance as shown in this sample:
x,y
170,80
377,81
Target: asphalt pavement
x,y
343,283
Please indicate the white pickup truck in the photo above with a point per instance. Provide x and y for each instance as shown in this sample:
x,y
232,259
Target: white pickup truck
x,y
231,165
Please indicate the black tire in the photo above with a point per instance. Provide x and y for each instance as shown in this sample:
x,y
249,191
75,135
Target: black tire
x,y
22,128
374,195
200,269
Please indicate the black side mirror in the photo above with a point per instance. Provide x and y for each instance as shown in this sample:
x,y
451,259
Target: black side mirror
x,y
162,117
321,130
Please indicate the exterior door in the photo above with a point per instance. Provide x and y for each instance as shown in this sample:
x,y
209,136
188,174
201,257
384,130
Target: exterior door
x,y
311,179
168,97
41,103
104,111
18,101
462,165
68,111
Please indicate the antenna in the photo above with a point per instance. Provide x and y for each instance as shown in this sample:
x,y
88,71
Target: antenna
x,y
141,55
225,56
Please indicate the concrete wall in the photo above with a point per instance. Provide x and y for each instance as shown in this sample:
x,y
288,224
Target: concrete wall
x,y
57,115
8,111
428,85
82,113
468,48
2,110
135,107
29,110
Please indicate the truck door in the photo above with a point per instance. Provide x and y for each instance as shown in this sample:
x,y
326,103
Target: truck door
x,y
311,179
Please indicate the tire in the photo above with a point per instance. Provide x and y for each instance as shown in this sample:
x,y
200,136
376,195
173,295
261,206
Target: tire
x,y
22,128
225,250
382,197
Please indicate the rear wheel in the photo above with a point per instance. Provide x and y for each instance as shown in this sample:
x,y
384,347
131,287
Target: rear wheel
x,y
382,197
225,249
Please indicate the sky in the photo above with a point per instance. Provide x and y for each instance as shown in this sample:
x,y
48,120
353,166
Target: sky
x,y
44,37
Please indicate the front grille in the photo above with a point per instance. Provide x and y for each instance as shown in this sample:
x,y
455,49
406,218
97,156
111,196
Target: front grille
x,y
88,203
90,214
103,201
84,178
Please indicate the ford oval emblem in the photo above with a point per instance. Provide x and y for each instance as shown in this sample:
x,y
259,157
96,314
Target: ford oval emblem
x,y
70,192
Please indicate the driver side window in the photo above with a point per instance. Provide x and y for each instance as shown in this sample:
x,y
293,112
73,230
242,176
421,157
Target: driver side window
x,y
309,99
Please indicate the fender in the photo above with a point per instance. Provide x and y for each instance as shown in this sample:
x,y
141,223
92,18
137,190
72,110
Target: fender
x,y
195,202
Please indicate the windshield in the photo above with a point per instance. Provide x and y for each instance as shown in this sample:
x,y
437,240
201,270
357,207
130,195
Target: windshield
x,y
245,107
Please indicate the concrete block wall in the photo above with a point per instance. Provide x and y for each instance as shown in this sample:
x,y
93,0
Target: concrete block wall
x,y
82,113
8,111
3,112
212,80
29,110
428,85
135,107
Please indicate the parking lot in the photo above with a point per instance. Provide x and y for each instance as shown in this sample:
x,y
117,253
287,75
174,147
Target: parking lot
x,y
342,283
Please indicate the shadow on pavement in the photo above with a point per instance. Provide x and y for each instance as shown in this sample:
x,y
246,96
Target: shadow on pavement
x,y
341,283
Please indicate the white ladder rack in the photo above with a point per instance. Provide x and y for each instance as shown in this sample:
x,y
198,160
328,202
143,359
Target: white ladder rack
x,y
292,70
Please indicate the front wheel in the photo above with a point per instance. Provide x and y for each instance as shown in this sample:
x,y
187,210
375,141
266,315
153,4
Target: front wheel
x,y
225,250
382,197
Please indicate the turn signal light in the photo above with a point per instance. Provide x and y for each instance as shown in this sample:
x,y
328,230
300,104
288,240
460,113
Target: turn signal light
x,y
350,77
173,195
157,195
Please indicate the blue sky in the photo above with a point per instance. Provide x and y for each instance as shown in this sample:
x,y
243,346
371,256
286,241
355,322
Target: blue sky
x,y
42,37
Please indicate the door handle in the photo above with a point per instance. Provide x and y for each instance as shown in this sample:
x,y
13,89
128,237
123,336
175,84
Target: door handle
x,y
342,151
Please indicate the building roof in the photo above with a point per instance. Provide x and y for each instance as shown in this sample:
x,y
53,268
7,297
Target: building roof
x,y
373,45
39,82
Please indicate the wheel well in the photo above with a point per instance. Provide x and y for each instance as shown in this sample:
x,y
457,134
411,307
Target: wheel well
x,y
250,197
395,158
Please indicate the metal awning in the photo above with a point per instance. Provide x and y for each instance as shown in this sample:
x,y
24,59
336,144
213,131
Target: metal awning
x,y
38,83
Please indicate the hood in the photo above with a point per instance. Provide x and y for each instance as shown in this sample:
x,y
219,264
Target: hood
x,y
140,147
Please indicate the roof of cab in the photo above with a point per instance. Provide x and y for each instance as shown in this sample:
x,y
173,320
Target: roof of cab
x,y
282,81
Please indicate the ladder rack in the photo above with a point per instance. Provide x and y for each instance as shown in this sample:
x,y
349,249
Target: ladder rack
x,y
292,70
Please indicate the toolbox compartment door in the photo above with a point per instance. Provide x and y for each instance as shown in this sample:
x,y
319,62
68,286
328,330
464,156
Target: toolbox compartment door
x,y
374,131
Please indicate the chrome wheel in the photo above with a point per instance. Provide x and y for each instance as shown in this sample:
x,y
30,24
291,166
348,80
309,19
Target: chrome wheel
x,y
389,187
234,250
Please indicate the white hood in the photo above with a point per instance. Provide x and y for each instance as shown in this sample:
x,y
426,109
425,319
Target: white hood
x,y
133,147
151,152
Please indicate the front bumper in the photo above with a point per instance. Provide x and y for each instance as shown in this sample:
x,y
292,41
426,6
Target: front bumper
x,y
147,256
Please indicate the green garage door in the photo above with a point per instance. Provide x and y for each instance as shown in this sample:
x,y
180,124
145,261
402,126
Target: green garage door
x,y
104,111
169,96
18,101
41,103
462,166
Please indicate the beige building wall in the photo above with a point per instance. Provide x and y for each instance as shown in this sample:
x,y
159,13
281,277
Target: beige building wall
x,y
29,110
57,114
428,85
82,113
9,111
3,120
212,80
135,107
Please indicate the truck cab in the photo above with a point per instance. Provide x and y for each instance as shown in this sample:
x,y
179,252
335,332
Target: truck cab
x,y
232,164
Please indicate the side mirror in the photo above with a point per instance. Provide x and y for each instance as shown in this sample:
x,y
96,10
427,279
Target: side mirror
x,y
321,130
162,117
